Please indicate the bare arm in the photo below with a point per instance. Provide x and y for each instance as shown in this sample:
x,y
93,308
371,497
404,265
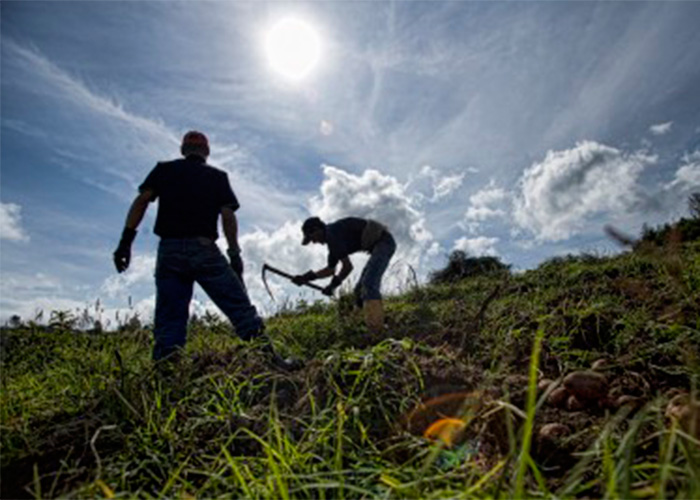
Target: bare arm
x,y
138,209
346,269
230,225
327,272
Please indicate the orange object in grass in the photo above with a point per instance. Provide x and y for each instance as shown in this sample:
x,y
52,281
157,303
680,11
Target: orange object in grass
x,y
446,430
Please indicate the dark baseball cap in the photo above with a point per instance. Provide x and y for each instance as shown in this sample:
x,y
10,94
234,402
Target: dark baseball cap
x,y
309,226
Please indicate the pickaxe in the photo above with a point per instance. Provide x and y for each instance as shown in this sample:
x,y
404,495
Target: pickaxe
x,y
267,267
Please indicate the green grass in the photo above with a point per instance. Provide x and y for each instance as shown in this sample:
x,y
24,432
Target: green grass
x,y
88,415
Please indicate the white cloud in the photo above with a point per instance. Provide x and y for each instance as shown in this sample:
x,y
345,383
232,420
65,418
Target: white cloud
x,y
487,196
434,181
478,246
281,249
11,223
661,128
560,193
480,214
342,194
447,185
688,176
483,205
686,181
381,197
371,195
16,285
140,270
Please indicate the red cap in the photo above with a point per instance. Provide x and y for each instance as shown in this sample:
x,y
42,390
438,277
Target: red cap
x,y
195,142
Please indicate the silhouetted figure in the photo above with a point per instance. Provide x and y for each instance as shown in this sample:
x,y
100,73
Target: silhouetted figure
x,y
191,197
343,238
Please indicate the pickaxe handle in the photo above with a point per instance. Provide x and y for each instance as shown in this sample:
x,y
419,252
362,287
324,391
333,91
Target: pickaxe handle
x,y
267,267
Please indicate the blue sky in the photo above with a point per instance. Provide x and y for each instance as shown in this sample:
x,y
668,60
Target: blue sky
x,y
515,129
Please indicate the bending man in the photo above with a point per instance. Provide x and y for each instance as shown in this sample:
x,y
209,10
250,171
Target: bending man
x,y
343,238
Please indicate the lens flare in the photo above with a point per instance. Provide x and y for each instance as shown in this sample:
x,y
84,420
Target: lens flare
x,y
445,418
446,430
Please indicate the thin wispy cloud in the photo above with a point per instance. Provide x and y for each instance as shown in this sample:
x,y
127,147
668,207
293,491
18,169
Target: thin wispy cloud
x,y
155,133
76,90
661,128
24,128
11,223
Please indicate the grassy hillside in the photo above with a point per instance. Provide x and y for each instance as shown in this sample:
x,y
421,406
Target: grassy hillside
x,y
453,401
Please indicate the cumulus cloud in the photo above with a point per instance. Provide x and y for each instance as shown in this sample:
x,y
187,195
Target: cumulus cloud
x,y
560,193
685,182
661,128
381,197
282,249
478,246
688,174
443,185
371,195
487,196
447,185
11,223
483,205
140,270
433,185
342,194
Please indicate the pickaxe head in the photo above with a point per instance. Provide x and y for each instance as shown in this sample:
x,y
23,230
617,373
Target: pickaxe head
x,y
265,268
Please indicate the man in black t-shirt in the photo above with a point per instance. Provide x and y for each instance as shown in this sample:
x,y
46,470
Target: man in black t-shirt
x,y
343,238
191,197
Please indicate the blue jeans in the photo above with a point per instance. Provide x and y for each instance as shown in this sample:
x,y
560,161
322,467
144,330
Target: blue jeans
x,y
370,282
180,263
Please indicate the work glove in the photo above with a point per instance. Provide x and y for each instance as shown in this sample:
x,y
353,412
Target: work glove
x,y
234,257
302,279
122,255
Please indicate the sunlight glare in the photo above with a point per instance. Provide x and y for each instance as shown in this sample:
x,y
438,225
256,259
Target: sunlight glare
x,y
293,48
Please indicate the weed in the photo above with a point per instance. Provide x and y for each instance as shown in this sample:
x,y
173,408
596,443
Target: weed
x,y
86,414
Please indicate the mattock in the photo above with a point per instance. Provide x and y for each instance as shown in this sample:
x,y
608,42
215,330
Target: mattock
x,y
267,267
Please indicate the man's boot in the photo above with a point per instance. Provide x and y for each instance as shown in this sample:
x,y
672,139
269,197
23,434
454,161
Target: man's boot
x,y
374,316
286,364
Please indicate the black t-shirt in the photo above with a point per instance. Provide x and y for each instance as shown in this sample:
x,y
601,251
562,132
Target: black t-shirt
x,y
191,194
344,237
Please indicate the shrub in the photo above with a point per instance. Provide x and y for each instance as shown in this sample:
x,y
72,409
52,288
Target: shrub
x,y
679,232
460,266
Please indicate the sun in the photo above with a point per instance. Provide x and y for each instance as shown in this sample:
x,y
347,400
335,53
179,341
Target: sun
x,y
293,48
